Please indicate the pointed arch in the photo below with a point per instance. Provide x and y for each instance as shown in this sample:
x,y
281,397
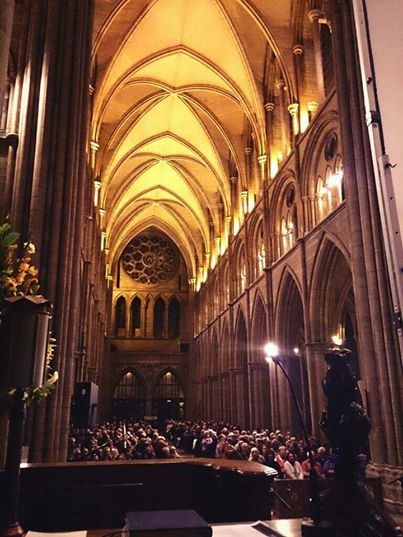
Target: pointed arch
x,y
259,332
135,316
290,335
120,316
159,317
168,395
174,318
331,283
129,395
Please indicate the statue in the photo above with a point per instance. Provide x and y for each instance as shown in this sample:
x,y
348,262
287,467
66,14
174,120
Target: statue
x,y
348,509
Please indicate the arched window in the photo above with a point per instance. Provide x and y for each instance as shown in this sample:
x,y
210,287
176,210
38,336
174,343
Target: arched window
x,y
159,318
241,271
261,254
136,316
168,398
168,386
129,387
120,315
129,397
174,319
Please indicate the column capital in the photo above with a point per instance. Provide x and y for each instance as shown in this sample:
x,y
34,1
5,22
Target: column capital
x,y
312,106
244,194
298,49
102,211
269,107
91,89
293,108
233,179
94,145
262,159
97,184
248,150
315,15
228,219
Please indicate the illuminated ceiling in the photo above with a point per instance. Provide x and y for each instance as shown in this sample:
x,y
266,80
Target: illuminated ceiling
x,y
179,94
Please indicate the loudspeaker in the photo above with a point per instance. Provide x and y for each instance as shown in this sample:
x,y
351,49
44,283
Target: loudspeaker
x,y
84,407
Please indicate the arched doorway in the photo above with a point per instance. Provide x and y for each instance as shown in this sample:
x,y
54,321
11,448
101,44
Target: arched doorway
x,y
168,398
129,397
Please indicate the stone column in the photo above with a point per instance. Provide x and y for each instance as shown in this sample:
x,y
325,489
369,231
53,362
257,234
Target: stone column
x,y
260,389
374,310
314,16
269,107
50,186
6,27
293,109
285,141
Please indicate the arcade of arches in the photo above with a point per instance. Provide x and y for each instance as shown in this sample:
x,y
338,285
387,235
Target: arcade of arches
x,y
195,178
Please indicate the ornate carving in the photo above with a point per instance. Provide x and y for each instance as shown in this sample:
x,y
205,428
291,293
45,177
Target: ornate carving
x,y
151,259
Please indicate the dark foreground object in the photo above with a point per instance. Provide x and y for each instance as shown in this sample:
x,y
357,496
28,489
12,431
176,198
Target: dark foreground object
x,y
91,495
175,523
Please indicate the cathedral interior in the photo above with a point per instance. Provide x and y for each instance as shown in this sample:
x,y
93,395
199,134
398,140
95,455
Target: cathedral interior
x,y
196,177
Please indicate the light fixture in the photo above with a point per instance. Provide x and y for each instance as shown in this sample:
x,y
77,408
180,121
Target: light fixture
x,y
272,355
296,350
271,350
337,340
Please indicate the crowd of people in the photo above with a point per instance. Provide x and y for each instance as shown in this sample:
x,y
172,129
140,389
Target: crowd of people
x,y
130,439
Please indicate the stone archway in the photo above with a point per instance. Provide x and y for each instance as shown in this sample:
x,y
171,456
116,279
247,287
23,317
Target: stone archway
x,y
290,337
260,410
239,373
129,397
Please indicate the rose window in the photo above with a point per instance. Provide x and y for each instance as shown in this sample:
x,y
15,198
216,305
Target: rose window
x,y
150,259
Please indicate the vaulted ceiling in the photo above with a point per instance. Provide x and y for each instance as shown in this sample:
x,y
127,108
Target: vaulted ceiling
x,y
179,93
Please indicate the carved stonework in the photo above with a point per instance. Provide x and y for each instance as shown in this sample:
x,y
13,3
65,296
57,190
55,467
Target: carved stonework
x,y
151,258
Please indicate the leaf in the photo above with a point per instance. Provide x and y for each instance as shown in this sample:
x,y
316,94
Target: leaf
x,y
11,238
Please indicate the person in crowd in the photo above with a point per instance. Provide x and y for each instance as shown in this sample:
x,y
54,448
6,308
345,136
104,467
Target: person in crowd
x,y
135,439
255,456
292,468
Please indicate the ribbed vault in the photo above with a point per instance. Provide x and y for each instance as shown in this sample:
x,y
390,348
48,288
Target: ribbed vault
x,y
180,88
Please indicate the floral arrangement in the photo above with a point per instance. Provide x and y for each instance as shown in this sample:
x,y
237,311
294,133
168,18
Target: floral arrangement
x,y
19,278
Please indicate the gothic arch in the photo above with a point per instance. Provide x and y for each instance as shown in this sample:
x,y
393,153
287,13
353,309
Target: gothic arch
x,y
314,158
256,232
289,294
285,211
290,337
241,340
129,392
214,355
225,351
330,284
164,371
118,375
259,333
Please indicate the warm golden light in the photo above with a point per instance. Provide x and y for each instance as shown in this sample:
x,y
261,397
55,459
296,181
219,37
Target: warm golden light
x,y
236,225
337,340
296,350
